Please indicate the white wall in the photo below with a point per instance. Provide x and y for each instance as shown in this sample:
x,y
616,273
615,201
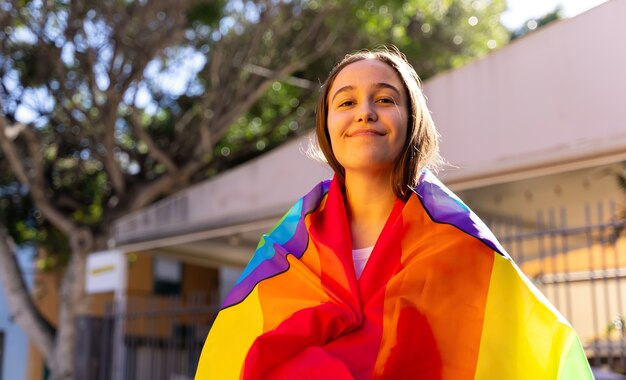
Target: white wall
x,y
556,96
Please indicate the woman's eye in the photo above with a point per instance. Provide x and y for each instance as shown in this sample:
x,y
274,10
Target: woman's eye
x,y
386,100
346,103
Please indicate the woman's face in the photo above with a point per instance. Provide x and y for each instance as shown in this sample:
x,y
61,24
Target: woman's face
x,y
367,116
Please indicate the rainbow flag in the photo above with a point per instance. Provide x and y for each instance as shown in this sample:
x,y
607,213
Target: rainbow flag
x,y
438,299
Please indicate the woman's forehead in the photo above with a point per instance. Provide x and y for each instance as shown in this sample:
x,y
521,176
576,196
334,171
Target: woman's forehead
x,y
366,73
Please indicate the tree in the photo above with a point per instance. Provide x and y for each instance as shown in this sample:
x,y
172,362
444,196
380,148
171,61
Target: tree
x,y
536,23
110,105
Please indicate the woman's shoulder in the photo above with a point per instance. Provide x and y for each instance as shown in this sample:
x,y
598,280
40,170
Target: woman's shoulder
x,y
445,207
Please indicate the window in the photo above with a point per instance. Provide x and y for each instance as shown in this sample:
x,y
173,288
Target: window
x,y
167,276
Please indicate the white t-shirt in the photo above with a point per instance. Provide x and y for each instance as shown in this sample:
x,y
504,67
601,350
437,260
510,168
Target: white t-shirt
x,y
360,257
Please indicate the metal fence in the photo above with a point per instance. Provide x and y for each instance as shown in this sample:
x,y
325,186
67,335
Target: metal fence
x,y
580,267
157,338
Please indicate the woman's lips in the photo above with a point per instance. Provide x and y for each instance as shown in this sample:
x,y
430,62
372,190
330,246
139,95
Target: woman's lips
x,y
365,132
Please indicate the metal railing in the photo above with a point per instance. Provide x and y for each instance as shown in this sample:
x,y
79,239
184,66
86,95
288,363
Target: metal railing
x,y
162,338
580,268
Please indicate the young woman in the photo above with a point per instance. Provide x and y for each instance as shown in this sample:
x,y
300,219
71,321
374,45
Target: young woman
x,y
383,273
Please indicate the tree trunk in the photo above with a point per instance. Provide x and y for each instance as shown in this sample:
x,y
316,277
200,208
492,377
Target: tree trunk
x,y
57,347
71,304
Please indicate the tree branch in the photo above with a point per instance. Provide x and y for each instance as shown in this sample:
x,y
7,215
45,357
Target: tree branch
x,y
153,149
243,105
144,195
215,63
109,114
205,146
31,180
6,144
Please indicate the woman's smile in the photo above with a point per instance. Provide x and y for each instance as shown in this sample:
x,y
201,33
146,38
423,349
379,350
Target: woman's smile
x,y
365,132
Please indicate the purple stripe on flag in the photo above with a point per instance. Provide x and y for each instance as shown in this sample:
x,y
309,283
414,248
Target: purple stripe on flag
x,y
276,262
444,206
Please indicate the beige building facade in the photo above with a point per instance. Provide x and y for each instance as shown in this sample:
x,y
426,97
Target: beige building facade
x,y
534,134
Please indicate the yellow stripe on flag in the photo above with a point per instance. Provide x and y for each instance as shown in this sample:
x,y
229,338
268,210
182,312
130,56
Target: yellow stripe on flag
x,y
223,354
523,336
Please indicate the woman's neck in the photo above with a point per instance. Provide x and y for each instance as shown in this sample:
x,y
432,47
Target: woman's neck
x,y
369,201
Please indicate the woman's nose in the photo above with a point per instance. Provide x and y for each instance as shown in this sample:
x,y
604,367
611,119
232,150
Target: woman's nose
x,y
366,113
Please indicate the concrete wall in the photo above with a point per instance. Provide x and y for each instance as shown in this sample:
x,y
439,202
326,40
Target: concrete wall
x,y
554,97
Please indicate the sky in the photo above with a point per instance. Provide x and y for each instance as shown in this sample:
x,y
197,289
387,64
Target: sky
x,y
520,11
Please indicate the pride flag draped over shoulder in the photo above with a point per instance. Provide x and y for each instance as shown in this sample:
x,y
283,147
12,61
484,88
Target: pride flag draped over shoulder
x,y
438,299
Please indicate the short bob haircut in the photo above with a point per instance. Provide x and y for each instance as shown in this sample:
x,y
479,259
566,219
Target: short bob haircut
x,y
421,148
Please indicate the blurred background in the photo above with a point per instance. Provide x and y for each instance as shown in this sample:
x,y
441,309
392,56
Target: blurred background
x,y
145,146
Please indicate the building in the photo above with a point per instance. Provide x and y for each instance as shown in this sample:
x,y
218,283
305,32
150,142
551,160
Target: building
x,y
13,346
13,340
532,132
